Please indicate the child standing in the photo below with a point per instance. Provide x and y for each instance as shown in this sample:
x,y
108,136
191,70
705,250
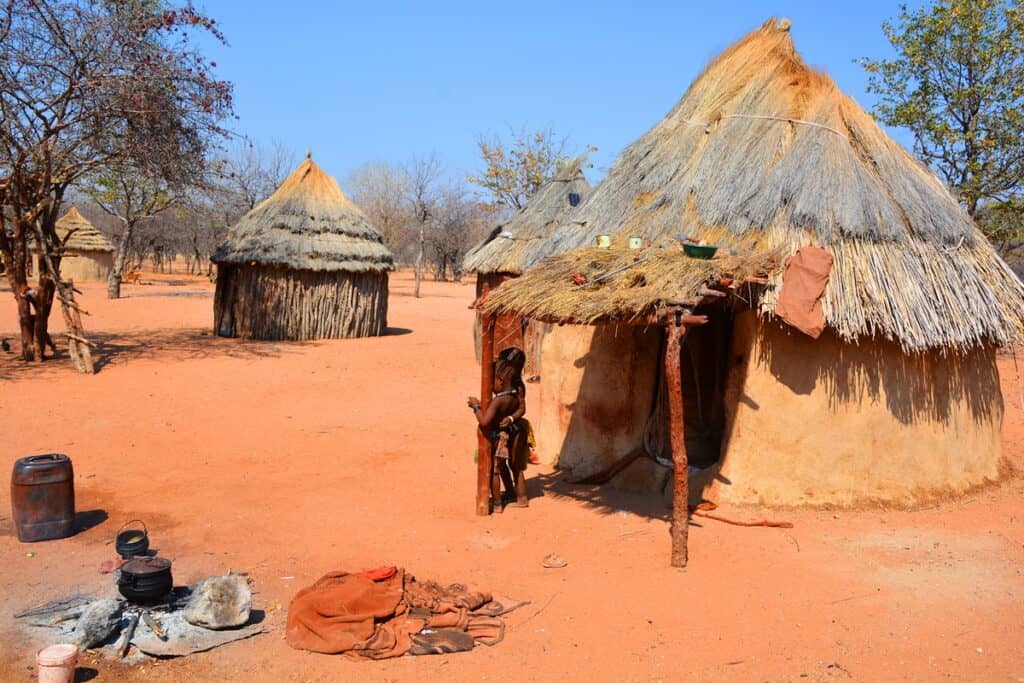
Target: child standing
x,y
504,404
519,429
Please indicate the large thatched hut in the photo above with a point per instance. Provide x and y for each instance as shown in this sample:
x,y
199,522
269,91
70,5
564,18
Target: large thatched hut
x,y
305,263
504,252
88,255
896,399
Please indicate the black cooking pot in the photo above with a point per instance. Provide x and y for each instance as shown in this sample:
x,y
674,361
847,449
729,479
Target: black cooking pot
x,y
145,579
132,542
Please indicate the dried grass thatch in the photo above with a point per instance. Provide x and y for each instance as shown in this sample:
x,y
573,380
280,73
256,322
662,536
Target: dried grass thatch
x,y
621,284
307,224
765,154
84,237
505,250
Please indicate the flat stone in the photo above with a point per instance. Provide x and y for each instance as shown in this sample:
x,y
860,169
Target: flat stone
x,y
220,602
98,622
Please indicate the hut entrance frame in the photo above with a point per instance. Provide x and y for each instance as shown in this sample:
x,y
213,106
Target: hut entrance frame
x,y
676,321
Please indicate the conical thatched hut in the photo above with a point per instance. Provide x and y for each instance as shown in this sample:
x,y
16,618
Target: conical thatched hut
x,y
503,254
304,264
896,400
88,255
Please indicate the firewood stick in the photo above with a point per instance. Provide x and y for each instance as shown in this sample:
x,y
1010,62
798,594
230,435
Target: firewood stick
x,y
129,633
154,625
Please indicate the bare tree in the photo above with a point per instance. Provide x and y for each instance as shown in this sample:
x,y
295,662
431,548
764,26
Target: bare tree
x,y
459,222
131,196
422,194
83,86
253,171
381,191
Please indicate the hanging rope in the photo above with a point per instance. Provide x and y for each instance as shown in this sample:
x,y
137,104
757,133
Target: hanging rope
x,y
801,122
656,437
706,125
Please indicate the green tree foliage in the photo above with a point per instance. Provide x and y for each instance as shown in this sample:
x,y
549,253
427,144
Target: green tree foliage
x,y
957,83
1003,223
514,171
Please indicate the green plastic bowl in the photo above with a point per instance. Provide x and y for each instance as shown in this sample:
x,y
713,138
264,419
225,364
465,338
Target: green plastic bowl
x,y
701,251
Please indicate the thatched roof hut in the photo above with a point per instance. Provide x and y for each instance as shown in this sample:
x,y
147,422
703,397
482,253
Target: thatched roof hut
x,y
505,252
306,263
88,255
80,234
512,243
763,156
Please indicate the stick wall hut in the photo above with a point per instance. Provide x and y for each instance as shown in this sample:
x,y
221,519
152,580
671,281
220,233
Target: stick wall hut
x,y
306,263
896,401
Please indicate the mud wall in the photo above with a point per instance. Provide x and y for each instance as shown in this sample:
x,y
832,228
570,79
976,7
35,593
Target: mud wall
x,y
595,394
816,422
87,266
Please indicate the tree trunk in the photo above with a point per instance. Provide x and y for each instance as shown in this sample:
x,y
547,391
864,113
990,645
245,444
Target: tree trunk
x,y
50,283
16,278
45,290
419,265
117,272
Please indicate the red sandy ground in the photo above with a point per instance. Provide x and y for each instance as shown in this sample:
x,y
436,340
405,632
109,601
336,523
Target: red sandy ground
x,y
291,460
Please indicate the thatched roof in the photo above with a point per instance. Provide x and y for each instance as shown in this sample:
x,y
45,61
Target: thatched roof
x,y
506,249
84,237
621,284
763,154
307,224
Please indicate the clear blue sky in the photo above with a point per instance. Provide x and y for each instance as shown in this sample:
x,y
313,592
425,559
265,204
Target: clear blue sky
x,y
384,81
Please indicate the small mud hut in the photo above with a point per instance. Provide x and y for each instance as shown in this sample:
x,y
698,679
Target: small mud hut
x,y
503,254
88,255
890,395
305,263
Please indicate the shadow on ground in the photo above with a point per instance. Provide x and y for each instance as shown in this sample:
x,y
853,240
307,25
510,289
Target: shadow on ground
x,y
87,519
113,348
160,294
604,499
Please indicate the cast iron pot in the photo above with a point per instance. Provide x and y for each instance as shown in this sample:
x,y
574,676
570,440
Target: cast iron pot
x,y
132,542
145,579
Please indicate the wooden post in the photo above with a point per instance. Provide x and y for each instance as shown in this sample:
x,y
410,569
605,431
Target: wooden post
x,y
680,486
483,452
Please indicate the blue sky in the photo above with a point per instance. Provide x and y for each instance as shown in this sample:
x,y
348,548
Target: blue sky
x,y
386,81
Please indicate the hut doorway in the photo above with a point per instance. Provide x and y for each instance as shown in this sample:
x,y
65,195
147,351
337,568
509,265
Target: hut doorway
x,y
704,367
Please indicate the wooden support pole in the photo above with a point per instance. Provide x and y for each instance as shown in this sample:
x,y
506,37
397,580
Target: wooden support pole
x,y
680,486
483,451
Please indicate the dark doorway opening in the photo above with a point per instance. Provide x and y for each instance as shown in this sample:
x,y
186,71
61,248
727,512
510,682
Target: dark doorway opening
x,y
704,367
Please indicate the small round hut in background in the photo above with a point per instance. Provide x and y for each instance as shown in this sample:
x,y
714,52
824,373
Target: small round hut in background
x,y
306,263
504,253
88,255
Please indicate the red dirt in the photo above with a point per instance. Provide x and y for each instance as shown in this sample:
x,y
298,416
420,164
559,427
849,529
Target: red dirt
x,y
291,460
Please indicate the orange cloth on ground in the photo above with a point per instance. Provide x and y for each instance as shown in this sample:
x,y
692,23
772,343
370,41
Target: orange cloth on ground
x,y
803,284
373,615
341,611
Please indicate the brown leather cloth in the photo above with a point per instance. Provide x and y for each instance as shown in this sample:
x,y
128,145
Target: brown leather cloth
x,y
377,619
803,284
